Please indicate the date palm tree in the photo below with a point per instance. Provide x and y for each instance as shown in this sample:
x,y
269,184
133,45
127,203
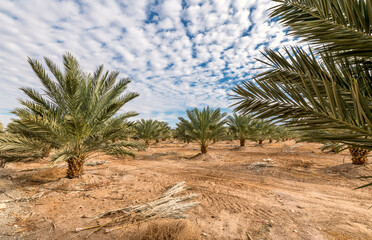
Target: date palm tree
x,y
262,130
241,126
148,130
203,126
77,115
280,133
181,134
327,87
165,131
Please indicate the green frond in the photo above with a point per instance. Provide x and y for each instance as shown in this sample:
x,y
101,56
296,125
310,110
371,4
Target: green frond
x,y
76,116
122,148
53,68
328,92
203,125
311,99
149,130
342,26
241,126
62,155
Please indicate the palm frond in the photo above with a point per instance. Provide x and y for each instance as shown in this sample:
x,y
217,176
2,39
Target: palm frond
x,y
204,125
314,98
342,26
77,114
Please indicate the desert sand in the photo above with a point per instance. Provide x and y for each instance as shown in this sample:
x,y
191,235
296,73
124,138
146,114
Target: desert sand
x,y
283,190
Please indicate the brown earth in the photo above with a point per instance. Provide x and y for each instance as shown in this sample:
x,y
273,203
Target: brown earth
x,y
275,191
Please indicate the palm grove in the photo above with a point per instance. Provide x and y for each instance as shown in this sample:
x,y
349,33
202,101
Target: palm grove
x,y
322,93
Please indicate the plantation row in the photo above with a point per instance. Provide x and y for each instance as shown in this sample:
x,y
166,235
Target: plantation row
x,y
324,92
202,126
209,125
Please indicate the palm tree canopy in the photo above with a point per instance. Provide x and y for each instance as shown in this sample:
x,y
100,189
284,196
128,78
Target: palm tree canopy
x,y
242,126
322,91
77,114
262,129
204,125
181,133
343,26
150,129
165,131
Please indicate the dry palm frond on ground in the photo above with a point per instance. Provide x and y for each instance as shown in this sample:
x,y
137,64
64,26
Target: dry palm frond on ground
x,y
167,206
166,230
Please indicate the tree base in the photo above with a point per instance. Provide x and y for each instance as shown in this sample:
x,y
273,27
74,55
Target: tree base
x,y
358,155
75,168
204,149
202,157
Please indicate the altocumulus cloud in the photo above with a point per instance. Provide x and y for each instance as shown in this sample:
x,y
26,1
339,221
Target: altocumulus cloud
x,y
179,53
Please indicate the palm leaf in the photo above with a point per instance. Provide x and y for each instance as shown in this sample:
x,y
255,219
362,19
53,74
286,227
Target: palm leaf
x,y
342,26
313,98
77,115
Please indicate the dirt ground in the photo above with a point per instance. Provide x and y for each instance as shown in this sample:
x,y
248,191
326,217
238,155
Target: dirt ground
x,y
301,193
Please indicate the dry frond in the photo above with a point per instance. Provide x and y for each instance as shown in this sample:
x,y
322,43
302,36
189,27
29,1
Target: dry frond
x,y
166,230
167,206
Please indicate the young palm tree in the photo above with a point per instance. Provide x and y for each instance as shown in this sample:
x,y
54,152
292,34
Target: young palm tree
x,y
281,133
76,115
262,130
148,130
165,131
327,90
241,126
204,125
275,132
181,134
229,135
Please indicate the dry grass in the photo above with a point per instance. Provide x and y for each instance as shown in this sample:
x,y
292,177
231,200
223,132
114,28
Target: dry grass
x,y
43,176
350,170
166,230
24,223
339,236
91,186
167,206
302,164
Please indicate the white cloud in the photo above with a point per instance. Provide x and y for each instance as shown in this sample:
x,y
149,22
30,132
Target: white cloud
x,y
177,56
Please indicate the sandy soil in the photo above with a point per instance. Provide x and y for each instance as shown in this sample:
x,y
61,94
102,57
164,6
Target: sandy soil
x,y
303,194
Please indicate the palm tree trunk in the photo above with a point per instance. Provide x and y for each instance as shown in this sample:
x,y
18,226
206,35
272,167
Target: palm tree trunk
x,y
242,142
75,167
260,141
147,142
2,161
46,152
358,155
204,148
270,140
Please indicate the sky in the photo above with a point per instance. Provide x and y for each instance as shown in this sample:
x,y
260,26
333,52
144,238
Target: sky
x,y
180,54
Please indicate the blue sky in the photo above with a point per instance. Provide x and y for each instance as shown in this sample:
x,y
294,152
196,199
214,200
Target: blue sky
x,y
179,54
